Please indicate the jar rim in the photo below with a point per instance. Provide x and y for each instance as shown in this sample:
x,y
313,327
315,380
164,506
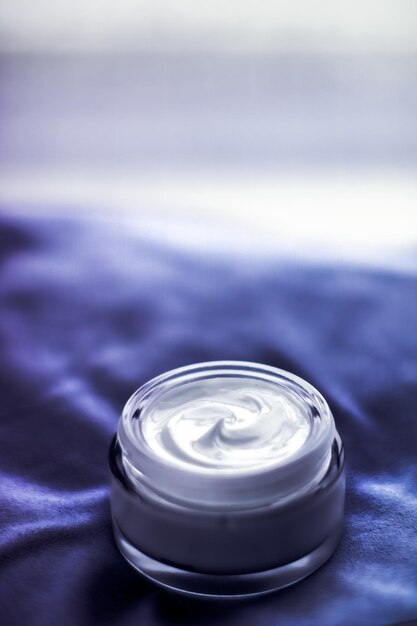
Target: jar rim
x,y
228,487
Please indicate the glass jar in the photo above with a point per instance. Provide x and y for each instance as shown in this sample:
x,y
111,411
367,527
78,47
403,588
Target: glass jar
x,y
227,479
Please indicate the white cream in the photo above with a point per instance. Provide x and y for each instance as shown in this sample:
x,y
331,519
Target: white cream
x,y
225,424
227,436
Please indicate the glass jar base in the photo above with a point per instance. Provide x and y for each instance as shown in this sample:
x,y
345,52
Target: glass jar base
x,y
223,586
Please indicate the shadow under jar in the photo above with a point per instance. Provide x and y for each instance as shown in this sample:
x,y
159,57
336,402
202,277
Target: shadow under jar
x,y
227,479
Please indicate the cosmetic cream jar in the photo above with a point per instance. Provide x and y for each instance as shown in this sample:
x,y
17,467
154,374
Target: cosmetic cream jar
x,y
227,479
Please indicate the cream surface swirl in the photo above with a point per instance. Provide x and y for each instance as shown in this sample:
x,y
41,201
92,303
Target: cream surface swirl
x,y
226,434
226,423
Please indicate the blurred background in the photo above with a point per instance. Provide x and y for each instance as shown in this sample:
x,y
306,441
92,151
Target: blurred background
x,y
295,119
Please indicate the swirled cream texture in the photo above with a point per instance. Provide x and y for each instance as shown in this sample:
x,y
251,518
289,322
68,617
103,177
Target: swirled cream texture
x,y
226,424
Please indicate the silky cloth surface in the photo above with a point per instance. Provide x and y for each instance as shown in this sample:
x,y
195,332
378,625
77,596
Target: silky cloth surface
x,y
90,310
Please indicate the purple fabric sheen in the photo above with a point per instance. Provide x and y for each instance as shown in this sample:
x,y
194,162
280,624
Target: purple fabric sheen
x,y
90,311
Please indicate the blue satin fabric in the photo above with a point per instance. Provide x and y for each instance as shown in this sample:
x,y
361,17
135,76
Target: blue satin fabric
x,y
90,311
